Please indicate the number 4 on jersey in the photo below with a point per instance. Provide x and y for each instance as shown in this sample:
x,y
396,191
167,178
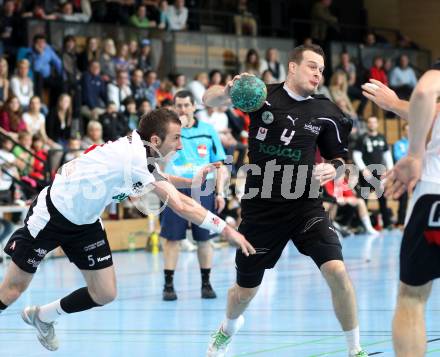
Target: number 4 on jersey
x,y
287,139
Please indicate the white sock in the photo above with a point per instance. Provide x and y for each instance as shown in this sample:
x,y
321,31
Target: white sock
x,y
353,343
51,312
230,326
367,223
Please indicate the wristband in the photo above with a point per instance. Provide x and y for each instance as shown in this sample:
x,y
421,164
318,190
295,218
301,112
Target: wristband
x,y
337,163
213,223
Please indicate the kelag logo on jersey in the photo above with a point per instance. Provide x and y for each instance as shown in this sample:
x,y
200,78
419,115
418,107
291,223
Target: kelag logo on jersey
x,y
202,150
280,151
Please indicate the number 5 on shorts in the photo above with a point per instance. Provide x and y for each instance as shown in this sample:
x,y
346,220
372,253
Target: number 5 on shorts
x,y
91,260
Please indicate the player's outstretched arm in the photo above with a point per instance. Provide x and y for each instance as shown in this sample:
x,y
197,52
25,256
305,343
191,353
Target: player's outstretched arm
x,y
192,211
218,96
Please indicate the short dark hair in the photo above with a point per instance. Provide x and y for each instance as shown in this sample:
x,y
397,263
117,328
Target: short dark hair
x,y
184,94
37,37
296,55
157,122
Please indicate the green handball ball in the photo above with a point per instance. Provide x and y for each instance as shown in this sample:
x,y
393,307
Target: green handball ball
x,y
248,93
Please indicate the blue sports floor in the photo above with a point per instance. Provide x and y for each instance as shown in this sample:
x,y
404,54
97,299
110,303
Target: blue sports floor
x,y
291,316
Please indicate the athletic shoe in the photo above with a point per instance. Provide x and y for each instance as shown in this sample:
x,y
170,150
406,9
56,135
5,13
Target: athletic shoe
x,y
372,232
208,292
187,246
361,353
45,331
220,341
169,294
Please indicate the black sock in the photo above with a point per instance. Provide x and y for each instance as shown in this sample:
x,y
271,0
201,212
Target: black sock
x,y
79,300
205,275
2,306
169,275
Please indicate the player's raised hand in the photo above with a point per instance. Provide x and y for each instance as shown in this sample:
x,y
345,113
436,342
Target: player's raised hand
x,y
403,177
324,173
238,240
380,94
229,85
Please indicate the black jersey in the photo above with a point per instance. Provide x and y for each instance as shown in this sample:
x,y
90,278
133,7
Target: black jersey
x,y
372,148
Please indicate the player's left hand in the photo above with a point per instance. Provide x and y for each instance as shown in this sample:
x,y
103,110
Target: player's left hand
x,y
220,203
324,173
403,177
200,178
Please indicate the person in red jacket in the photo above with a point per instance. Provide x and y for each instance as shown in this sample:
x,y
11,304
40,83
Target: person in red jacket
x,y
345,196
377,72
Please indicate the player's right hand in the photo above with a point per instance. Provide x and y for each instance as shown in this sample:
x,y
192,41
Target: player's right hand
x,y
229,85
380,94
403,177
238,240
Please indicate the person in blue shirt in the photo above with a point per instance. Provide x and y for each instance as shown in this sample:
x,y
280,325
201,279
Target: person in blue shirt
x,y
400,150
201,147
43,60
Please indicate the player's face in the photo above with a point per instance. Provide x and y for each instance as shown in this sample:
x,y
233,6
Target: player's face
x,y
172,141
307,74
184,107
372,124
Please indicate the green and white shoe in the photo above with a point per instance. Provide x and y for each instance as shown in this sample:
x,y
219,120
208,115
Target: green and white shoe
x,y
361,353
220,341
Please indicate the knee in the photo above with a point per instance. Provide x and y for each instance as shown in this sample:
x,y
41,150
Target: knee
x,y
104,296
336,274
13,291
243,295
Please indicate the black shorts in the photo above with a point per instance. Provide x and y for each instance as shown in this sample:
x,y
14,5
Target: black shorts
x,y
420,251
45,229
310,230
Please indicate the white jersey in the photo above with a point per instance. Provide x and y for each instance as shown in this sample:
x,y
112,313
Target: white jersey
x,y
431,164
111,172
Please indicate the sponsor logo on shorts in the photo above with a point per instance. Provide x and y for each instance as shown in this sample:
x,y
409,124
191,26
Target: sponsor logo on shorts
x,y
94,245
103,259
40,252
12,247
33,262
434,215
280,151
313,128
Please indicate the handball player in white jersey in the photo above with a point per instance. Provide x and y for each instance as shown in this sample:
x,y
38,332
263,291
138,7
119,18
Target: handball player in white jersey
x,y
419,171
67,214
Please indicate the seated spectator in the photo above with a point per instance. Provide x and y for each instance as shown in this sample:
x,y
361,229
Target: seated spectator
x,y
177,16
94,91
322,19
130,117
164,92
93,135
121,60
119,90
345,196
152,84
403,78
244,21
39,162
267,77
370,39
44,62
67,13
114,125
90,53
377,72
215,77
11,119
323,89
198,87
252,62
164,21
34,119
338,91
38,12
140,19
133,54
108,66
271,63
73,150
404,41
4,82
9,164
179,83
71,73
59,120
145,107
144,59
22,85
138,88
167,104
23,153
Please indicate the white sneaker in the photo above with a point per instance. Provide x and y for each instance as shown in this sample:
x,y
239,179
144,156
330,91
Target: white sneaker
x,y
45,331
187,246
218,346
372,232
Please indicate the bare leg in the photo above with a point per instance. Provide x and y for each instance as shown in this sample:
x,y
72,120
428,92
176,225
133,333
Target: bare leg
x,y
171,254
238,300
204,254
14,283
409,334
343,296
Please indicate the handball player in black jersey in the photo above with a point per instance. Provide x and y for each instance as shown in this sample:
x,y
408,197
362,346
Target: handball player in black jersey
x,y
281,201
